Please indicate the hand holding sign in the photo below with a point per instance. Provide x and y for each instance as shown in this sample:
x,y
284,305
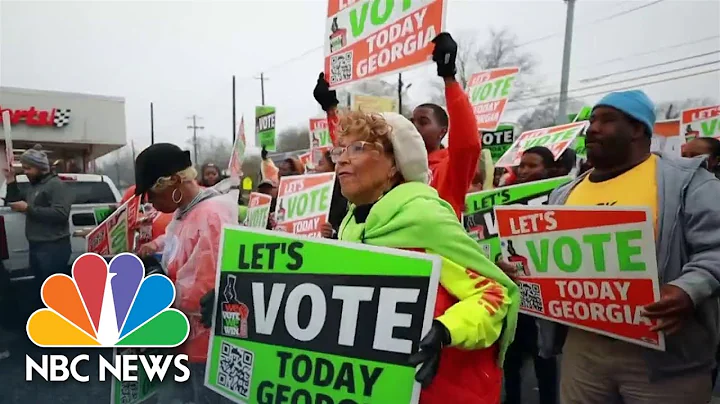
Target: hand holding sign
x,y
429,353
444,55
207,305
671,311
322,94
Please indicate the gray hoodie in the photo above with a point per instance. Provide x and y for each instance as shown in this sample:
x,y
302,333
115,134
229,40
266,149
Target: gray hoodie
x,y
688,256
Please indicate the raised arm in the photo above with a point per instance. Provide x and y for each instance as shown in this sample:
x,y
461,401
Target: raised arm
x,y
463,140
328,102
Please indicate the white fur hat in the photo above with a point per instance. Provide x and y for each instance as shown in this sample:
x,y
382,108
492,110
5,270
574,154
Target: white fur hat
x,y
411,157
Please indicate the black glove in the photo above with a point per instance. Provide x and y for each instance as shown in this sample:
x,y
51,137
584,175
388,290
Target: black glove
x,y
429,353
207,304
444,54
263,153
326,98
152,266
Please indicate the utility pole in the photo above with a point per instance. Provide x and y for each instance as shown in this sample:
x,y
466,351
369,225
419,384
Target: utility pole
x,y
262,79
152,124
565,78
233,112
400,87
195,128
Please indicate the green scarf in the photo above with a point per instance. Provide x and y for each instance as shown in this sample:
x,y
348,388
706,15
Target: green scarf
x,y
412,215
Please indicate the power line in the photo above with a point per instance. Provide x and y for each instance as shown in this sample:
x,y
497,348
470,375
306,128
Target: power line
x,y
645,53
544,86
602,19
294,58
286,61
618,88
555,93
610,17
596,78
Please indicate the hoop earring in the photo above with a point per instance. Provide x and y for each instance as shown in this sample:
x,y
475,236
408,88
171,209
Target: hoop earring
x,y
173,196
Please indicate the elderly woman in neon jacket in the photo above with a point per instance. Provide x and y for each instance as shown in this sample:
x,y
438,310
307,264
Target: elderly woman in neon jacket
x,y
382,168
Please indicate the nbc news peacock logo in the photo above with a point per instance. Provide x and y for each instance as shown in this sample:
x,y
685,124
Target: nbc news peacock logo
x,y
104,306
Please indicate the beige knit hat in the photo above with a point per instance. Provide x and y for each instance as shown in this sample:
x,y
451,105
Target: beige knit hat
x,y
411,157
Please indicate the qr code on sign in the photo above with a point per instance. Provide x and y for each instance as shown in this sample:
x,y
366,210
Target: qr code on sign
x,y
341,67
531,297
235,369
130,392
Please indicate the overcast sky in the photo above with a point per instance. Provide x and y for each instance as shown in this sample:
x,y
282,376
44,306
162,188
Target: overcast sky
x,y
182,55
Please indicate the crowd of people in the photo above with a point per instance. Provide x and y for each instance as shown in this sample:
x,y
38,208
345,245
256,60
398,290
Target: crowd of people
x,y
395,181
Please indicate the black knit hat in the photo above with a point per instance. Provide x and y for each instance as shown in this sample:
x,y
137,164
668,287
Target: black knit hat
x,y
158,160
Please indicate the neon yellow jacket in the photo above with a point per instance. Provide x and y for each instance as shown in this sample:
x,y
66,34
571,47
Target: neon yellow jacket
x,y
478,303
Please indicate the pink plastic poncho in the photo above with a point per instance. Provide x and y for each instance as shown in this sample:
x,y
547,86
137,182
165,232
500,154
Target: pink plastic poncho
x,y
190,255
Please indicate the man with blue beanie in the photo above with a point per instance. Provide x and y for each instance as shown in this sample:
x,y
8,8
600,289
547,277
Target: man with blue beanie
x,y
683,197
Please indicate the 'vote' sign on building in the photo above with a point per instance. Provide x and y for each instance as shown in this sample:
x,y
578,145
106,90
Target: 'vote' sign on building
x,y
588,267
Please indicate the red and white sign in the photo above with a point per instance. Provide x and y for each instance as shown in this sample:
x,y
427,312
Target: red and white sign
x,y
556,138
116,233
303,203
489,92
319,133
238,152
57,117
6,159
592,268
368,38
700,122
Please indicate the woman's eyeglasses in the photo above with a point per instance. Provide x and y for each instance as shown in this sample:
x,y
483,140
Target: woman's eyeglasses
x,y
354,149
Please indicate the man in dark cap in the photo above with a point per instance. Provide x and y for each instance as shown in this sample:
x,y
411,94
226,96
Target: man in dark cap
x,y
682,197
46,206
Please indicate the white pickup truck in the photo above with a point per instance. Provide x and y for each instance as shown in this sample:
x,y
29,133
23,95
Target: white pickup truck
x,y
95,197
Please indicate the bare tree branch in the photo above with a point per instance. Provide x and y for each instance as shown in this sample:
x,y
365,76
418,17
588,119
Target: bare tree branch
x,y
673,109
545,114
500,50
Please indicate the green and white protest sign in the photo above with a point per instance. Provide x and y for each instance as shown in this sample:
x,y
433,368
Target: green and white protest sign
x,y
582,115
579,145
499,141
556,138
258,210
479,216
139,391
303,320
265,127
102,213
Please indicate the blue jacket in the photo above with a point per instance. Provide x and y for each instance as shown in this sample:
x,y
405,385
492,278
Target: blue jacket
x,y
688,256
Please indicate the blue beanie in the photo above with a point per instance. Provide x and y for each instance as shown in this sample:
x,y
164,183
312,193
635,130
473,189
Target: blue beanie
x,y
634,103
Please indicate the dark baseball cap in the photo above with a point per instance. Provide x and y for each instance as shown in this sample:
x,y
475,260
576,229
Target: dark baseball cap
x,y
267,183
158,160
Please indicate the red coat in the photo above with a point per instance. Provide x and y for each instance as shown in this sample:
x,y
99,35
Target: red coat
x,y
464,376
